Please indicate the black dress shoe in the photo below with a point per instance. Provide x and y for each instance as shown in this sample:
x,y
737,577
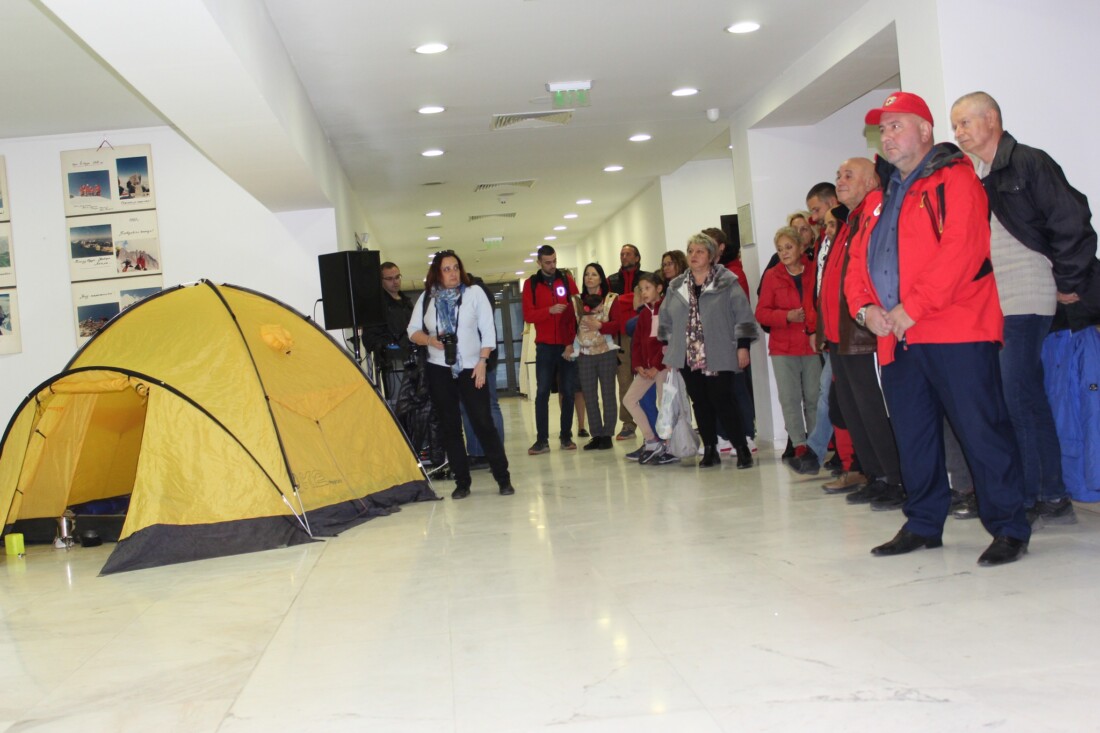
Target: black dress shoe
x,y
711,457
744,457
905,541
593,444
1003,550
461,492
606,443
892,497
867,492
506,489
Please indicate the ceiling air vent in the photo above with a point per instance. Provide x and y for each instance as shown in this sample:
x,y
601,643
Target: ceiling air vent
x,y
504,184
479,217
532,119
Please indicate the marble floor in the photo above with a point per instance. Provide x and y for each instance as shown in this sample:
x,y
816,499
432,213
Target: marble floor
x,y
603,597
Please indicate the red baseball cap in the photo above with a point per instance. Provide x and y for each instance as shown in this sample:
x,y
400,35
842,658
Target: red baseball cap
x,y
903,102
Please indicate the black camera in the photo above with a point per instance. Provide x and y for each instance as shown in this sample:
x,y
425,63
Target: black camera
x,y
450,348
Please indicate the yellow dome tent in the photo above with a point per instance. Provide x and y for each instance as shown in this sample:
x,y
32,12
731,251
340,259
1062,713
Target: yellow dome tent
x,y
233,423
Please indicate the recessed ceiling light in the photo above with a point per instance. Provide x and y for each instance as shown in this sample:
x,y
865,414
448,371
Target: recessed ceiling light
x,y
570,216
560,228
685,92
745,26
433,238
434,152
431,109
430,48
528,261
640,138
583,202
612,169
551,238
434,213
519,272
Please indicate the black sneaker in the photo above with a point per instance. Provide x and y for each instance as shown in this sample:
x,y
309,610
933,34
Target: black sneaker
x,y
582,433
538,448
663,459
867,492
788,453
635,454
568,444
892,497
806,464
1059,511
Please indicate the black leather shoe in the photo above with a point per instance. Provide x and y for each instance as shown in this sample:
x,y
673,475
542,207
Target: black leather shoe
x,y
461,492
505,489
892,497
969,508
606,443
711,457
867,492
744,457
905,541
1003,550
593,444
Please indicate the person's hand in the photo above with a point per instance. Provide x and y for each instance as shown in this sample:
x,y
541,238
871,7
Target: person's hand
x,y
798,315
1067,298
815,345
742,358
479,374
568,353
557,308
900,321
435,343
590,323
878,321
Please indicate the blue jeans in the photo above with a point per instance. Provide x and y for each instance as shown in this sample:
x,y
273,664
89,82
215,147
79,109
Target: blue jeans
x,y
818,439
1029,409
550,368
473,445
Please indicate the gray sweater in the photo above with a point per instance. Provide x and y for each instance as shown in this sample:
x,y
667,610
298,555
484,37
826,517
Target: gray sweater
x,y
726,315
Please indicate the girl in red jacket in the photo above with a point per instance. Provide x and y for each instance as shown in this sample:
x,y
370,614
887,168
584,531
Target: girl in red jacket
x,y
646,361
786,306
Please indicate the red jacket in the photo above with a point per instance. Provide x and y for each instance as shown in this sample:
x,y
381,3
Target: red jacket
x,y
778,295
646,351
554,329
828,301
738,269
946,276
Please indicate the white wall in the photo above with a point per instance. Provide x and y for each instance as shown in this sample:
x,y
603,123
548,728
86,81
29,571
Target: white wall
x,y
693,198
209,228
640,222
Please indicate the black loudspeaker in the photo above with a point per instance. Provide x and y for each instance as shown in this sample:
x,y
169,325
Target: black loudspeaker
x,y
351,289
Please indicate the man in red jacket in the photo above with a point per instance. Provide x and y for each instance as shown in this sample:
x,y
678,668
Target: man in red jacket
x,y
546,306
920,278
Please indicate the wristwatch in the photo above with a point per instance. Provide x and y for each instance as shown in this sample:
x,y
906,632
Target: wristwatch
x,y
861,316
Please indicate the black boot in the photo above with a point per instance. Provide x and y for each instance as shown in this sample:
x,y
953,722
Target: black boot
x,y
744,457
710,457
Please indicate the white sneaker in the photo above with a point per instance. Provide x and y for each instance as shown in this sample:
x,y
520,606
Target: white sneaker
x,y
724,446
752,444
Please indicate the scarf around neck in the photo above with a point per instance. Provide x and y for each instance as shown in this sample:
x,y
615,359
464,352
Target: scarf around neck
x,y
696,348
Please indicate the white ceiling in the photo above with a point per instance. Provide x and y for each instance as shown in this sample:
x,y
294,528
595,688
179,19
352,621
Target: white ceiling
x,y
356,64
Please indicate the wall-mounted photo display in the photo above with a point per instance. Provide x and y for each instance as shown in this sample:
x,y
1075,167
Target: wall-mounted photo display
x,y
7,259
108,179
108,246
5,214
96,303
10,341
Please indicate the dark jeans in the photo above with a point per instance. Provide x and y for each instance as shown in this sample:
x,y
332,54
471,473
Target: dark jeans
x,y
550,368
1029,409
713,398
864,411
447,393
963,381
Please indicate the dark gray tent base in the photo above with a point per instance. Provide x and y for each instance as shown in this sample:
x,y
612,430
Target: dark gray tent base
x,y
166,544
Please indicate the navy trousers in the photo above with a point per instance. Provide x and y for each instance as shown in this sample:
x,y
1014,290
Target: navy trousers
x,y
962,381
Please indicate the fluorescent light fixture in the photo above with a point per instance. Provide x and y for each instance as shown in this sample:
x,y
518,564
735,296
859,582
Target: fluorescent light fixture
x,y
641,137
685,92
570,216
433,153
433,238
434,213
583,202
431,109
430,48
551,238
745,26
612,168
560,228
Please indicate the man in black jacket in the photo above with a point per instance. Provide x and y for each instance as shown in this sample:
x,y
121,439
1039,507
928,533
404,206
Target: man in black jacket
x,y
390,342
1044,255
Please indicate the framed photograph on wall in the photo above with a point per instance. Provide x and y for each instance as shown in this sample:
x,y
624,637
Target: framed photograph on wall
x,y
108,179
7,257
106,246
5,213
96,303
10,340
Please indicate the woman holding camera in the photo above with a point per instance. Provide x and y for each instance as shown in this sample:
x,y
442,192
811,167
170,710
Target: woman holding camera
x,y
455,322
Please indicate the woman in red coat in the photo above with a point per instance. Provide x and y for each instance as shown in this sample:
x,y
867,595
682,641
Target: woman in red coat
x,y
786,307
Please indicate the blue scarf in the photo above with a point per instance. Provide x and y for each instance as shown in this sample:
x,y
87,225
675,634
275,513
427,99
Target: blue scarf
x,y
446,315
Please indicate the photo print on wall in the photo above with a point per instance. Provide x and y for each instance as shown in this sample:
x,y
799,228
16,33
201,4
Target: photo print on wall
x,y
96,303
10,340
108,179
